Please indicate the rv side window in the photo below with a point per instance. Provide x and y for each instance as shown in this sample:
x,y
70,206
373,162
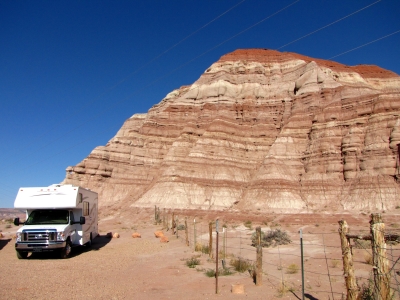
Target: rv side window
x,y
80,197
85,208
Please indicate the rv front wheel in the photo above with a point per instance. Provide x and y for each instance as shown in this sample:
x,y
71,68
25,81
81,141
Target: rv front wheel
x,y
22,255
66,251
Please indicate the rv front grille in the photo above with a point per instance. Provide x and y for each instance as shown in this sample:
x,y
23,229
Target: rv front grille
x,y
35,236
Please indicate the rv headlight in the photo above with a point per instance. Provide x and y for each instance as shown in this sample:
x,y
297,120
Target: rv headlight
x,y
19,236
60,236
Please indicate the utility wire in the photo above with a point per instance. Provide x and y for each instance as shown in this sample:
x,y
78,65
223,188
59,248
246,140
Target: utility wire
x,y
179,67
125,79
323,27
381,38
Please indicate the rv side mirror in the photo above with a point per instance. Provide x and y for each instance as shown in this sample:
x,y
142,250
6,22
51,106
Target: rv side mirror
x,y
82,220
16,221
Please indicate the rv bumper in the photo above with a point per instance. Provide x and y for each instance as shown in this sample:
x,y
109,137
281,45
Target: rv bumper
x,y
31,247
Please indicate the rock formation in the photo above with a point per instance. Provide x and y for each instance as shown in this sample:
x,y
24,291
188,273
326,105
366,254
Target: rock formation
x,y
260,129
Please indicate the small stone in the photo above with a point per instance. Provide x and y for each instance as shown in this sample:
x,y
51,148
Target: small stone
x,y
164,239
159,234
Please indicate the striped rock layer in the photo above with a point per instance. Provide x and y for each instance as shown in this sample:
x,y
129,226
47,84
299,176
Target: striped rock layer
x,y
259,130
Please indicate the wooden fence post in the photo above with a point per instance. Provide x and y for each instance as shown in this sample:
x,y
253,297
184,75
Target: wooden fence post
x,y
167,222
194,234
177,227
224,244
173,224
210,225
259,258
347,255
164,225
186,232
380,262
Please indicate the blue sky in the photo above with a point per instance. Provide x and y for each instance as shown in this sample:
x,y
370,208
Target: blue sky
x,y
71,72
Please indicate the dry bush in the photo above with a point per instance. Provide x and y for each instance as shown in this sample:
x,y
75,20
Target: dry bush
x,y
292,269
284,287
192,262
368,259
248,224
272,238
241,265
202,248
221,272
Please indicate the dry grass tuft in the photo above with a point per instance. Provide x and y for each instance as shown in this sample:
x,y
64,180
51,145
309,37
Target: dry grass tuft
x,y
292,269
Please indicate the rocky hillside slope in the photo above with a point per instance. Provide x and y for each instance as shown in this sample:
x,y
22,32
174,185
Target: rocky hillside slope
x,y
259,130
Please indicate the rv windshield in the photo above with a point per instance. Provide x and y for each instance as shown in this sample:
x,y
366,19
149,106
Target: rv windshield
x,y
47,216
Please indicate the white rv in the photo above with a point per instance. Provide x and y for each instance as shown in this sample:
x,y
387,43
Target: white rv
x,y
58,217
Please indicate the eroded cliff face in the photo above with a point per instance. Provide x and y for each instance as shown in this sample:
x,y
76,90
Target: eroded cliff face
x,y
260,129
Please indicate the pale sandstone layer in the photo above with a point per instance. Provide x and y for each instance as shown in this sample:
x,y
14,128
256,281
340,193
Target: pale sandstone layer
x,y
260,129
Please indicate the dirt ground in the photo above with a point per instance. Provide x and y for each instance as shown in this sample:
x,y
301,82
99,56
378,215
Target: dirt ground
x,y
144,268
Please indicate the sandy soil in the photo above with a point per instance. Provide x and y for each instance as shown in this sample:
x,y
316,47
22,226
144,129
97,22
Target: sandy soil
x,y
127,268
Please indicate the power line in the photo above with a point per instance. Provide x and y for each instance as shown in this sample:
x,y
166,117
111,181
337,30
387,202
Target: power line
x,y
323,27
124,79
381,38
179,67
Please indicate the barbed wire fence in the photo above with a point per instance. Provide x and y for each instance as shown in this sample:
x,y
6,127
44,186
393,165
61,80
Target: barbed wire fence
x,y
321,270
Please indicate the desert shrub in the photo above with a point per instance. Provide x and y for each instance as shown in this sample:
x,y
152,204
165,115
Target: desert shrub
x,y
272,238
368,259
181,227
284,287
292,269
221,272
366,293
241,265
192,262
248,224
210,272
366,290
202,248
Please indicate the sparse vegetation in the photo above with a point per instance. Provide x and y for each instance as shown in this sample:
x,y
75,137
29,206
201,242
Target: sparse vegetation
x,y
366,291
202,248
335,263
181,227
221,272
284,288
241,265
192,262
248,224
292,269
368,258
272,238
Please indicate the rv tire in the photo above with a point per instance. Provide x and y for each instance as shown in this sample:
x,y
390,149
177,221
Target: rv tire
x,y
66,251
22,255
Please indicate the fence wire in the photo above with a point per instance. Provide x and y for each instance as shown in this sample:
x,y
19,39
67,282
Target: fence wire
x,y
323,266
